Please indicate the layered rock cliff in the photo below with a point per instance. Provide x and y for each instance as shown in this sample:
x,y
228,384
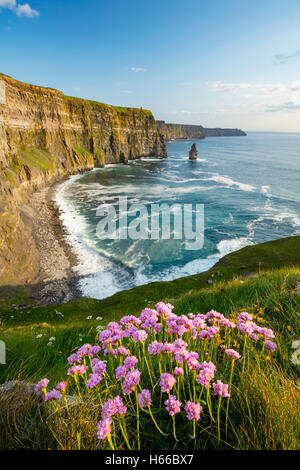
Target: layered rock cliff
x,y
186,131
45,135
217,132
180,131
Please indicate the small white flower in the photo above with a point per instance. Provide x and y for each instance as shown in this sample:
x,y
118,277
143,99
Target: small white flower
x,y
49,344
99,318
39,336
80,339
52,338
89,317
99,328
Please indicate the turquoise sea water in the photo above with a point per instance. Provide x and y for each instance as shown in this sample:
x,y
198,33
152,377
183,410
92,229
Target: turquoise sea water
x,y
250,188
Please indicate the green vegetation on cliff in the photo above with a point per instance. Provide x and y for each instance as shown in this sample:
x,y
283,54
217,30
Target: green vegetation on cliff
x,y
262,279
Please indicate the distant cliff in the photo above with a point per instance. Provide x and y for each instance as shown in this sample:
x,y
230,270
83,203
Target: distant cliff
x,y
180,131
45,135
217,132
189,131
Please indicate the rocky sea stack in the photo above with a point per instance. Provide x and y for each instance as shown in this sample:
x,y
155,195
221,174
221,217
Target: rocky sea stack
x,y
193,154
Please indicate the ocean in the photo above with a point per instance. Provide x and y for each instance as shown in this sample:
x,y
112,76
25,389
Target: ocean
x,y
249,186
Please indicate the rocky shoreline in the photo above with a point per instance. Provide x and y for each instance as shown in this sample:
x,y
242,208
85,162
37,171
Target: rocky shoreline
x,y
56,281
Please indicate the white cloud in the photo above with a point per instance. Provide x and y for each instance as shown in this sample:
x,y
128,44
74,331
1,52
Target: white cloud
x,y
26,10
127,92
10,4
138,69
270,97
19,9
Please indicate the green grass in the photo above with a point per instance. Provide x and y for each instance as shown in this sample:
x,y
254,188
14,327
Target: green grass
x,y
262,279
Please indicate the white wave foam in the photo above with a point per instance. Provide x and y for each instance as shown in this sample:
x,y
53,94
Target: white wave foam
x,y
229,182
265,190
228,246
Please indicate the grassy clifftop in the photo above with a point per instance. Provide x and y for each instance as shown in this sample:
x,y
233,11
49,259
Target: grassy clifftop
x,y
263,280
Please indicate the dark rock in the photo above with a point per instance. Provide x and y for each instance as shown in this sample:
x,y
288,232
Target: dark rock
x,y
193,155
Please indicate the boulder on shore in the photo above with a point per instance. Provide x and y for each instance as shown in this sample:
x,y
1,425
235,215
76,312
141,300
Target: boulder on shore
x,y
193,155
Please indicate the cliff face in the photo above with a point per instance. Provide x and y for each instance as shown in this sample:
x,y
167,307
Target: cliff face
x,y
185,131
45,135
180,131
217,132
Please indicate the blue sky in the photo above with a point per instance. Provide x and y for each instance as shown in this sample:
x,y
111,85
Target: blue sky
x,y
225,63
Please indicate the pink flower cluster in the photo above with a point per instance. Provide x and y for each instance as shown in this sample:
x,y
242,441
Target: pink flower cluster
x,y
41,385
131,380
206,374
193,410
221,389
144,398
173,405
167,382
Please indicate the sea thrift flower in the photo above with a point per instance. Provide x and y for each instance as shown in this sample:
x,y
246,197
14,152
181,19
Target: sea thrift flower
x,y
139,335
123,351
172,405
267,333
104,428
144,398
131,380
270,345
99,367
93,380
178,371
167,382
245,316
61,386
193,363
41,385
53,395
74,358
94,350
232,353
182,356
193,410
164,309
155,347
130,320
221,389
121,372
130,362
84,350
80,369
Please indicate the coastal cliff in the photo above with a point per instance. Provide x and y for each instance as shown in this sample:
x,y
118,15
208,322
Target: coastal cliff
x,y
180,131
189,131
45,135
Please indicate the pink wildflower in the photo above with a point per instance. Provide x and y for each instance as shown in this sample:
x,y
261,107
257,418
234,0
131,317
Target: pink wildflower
x,y
104,428
99,367
270,345
232,353
94,350
139,335
193,410
61,386
178,371
41,385
144,398
121,372
167,382
123,351
74,370
53,395
172,405
130,362
221,389
93,380
131,380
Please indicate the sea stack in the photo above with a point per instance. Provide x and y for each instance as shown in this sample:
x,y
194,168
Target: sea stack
x,y
193,155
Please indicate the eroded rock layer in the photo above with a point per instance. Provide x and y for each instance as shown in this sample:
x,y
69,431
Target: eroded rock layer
x,y
45,135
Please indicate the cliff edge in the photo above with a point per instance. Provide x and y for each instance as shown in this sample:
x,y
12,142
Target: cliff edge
x,y
45,135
